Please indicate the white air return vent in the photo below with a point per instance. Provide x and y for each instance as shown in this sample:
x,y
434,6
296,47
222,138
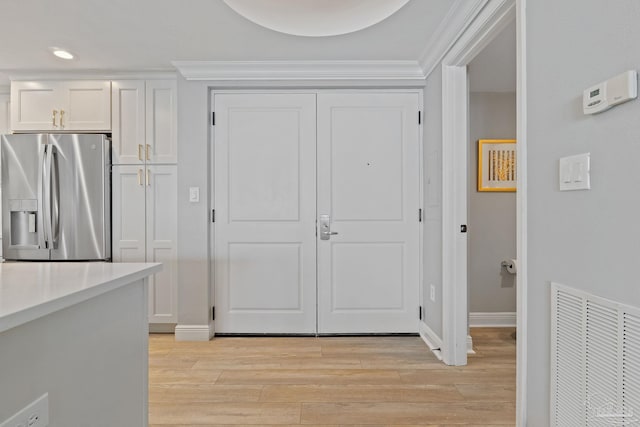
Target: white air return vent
x,y
595,360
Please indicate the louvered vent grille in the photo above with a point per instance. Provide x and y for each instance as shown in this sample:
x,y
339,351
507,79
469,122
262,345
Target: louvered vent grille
x,y
595,361
631,364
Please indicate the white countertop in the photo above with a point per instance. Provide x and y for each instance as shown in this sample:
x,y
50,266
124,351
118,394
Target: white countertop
x,y
30,290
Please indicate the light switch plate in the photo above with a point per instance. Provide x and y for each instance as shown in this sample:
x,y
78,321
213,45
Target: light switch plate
x,y
194,194
575,172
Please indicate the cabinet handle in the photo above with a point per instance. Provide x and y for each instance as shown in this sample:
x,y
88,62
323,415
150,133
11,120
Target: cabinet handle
x,y
148,178
147,151
139,176
55,112
61,119
140,152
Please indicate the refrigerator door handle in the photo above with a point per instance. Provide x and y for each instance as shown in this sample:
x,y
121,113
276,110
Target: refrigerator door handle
x,y
46,211
55,202
42,239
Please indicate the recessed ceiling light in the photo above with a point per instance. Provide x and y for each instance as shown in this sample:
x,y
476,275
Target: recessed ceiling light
x,y
61,53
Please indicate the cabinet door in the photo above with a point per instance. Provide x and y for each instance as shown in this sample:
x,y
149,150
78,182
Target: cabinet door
x,y
4,114
83,105
128,120
86,105
162,225
33,104
128,214
161,130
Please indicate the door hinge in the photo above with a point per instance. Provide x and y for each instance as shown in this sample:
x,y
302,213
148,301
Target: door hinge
x,y
213,118
419,117
420,313
420,215
213,215
213,312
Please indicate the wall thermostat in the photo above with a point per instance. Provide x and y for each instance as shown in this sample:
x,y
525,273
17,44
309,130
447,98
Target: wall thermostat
x,y
616,90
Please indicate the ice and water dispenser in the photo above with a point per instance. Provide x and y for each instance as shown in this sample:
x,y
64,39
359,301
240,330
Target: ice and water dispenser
x,y
24,215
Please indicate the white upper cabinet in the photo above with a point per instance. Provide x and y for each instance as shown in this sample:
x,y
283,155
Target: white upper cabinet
x,y
61,106
128,114
4,113
162,121
144,122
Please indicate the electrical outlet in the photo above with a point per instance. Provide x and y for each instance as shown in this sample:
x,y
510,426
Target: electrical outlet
x,y
36,414
432,293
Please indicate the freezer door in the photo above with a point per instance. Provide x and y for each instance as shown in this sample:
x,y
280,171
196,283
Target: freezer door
x,y
80,197
22,192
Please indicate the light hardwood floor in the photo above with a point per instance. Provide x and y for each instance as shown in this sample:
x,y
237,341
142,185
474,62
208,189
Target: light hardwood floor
x,y
329,381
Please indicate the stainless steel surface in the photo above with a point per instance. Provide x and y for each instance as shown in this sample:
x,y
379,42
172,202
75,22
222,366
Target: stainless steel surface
x,y
325,228
64,180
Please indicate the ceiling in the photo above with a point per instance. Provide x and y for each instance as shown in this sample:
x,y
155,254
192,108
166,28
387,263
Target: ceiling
x,y
144,35
494,69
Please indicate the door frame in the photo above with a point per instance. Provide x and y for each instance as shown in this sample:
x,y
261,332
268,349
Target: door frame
x,y
312,87
455,135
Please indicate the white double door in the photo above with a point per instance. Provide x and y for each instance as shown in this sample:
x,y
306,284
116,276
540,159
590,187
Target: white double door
x,y
283,164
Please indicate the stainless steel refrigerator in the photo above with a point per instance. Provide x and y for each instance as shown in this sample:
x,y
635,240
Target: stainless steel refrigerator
x,y
56,197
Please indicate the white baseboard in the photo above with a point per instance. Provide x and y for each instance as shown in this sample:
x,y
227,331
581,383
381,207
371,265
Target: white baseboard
x,y
432,340
194,332
493,320
470,349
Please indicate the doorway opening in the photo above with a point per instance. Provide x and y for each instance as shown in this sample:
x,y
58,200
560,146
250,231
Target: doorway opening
x,y
491,196
487,25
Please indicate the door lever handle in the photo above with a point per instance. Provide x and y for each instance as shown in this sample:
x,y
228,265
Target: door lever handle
x,y
325,228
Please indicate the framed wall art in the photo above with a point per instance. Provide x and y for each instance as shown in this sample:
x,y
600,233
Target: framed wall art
x,y
497,165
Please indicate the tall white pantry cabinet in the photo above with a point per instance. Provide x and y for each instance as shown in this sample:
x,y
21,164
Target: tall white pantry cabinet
x,y
144,185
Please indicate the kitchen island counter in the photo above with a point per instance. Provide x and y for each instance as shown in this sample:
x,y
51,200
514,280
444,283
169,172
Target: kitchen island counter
x,y
30,290
77,332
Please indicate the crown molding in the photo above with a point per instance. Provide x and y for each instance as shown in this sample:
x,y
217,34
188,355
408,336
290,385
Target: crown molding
x,y
299,70
454,24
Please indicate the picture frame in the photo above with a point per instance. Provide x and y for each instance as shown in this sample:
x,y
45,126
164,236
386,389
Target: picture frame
x,y
497,165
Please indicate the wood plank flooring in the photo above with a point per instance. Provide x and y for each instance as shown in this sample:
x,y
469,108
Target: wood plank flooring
x,y
329,382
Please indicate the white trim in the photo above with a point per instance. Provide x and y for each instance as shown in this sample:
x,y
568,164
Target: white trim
x,y
448,32
91,75
431,339
496,15
521,213
470,349
492,320
454,214
194,332
299,70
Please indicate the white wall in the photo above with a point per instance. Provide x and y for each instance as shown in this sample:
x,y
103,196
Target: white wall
x,y
584,239
491,215
433,201
194,127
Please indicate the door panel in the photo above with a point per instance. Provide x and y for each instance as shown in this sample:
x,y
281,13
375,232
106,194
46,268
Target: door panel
x,y
32,105
128,136
83,188
161,121
128,204
265,213
162,241
368,182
